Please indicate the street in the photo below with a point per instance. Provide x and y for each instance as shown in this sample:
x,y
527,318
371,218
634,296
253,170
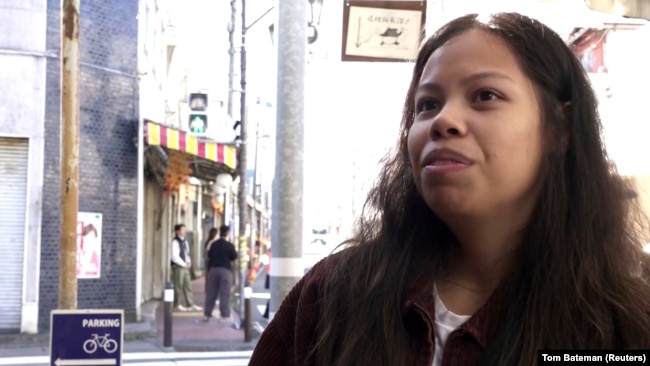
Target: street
x,y
312,253
232,358
149,352
258,301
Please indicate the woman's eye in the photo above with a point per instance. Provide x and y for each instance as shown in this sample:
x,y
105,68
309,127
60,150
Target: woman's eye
x,y
485,96
427,105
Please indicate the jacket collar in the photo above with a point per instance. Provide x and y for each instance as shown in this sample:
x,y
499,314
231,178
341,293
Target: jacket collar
x,y
483,324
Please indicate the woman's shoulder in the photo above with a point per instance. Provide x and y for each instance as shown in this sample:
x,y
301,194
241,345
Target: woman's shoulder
x,y
326,271
289,334
330,267
300,303
323,268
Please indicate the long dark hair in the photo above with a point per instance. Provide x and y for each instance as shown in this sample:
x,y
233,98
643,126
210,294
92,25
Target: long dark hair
x,y
579,276
212,235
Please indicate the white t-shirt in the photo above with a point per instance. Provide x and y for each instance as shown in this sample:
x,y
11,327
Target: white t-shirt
x,y
446,322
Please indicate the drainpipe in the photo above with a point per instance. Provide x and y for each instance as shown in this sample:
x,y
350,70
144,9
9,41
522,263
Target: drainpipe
x,y
139,231
139,234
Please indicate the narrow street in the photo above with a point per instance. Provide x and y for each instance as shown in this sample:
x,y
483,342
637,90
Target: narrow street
x,y
233,358
259,300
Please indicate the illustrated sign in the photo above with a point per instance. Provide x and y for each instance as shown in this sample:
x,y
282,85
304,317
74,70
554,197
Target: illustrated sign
x,y
382,30
86,337
89,244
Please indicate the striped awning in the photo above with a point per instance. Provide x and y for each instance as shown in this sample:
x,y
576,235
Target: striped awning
x,y
158,135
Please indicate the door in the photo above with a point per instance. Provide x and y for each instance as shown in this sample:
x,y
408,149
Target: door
x,y
13,200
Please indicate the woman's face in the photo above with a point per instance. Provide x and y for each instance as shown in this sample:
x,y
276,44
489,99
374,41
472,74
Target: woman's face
x,y
475,145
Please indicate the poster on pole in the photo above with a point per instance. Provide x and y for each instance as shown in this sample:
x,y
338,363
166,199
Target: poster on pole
x,y
89,244
382,30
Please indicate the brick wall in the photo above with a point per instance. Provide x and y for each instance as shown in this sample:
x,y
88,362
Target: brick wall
x,y
108,156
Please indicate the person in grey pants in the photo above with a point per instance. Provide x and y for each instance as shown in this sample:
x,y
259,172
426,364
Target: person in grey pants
x,y
220,254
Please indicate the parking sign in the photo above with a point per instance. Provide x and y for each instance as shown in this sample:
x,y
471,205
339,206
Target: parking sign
x,y
86,337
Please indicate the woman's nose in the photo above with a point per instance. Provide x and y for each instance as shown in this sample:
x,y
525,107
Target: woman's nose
x,y
448,122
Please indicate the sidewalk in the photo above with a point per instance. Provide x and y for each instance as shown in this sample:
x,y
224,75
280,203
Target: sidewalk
x,y
138,337
189,332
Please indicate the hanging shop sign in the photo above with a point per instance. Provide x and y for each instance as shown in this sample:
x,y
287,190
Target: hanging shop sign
x,y
382,30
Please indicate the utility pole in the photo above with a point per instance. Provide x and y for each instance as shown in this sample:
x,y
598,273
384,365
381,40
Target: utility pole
x,y
245,292
69,153
254,227
244,300
231,53
255,216
286,231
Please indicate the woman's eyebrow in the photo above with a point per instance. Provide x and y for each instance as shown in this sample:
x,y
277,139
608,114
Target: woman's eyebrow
x,y
435,87
485,75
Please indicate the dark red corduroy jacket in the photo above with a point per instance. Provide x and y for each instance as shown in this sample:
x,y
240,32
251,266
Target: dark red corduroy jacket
x,y
287,338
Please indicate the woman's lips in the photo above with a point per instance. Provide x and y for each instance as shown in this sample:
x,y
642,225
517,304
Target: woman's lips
x,y
444,161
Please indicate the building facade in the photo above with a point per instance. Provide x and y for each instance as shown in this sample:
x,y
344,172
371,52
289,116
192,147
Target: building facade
x,y
30,158
23,56
108,185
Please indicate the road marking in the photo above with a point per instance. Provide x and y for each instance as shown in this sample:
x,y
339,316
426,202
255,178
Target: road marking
x,y
29,360
149,358
261,295
89,362
185,355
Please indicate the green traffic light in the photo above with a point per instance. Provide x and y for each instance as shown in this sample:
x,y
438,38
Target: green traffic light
x,y
198,124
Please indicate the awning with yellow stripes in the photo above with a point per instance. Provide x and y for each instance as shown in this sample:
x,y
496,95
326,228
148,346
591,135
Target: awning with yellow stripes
x,y
158,135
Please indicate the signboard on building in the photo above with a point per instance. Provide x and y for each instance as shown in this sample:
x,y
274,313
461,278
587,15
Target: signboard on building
x,y
86,337
382,30
89,244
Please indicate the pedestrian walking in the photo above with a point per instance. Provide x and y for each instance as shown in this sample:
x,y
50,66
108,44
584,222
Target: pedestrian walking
x,y
212,237
221,253
181,264
496,228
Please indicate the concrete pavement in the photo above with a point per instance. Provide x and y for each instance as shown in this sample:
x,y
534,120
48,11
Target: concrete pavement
x,y
189,332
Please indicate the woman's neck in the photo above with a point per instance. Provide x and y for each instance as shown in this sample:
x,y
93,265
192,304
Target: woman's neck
x,y
485,253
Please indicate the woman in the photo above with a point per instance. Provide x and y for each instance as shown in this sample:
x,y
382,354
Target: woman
x,y
212,236
220,254
494,231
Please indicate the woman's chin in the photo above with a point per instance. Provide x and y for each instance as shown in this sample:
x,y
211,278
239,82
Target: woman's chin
x,y
448,204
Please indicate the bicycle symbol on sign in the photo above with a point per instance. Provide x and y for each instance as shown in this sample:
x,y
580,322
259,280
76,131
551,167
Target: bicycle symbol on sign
x,y
91,344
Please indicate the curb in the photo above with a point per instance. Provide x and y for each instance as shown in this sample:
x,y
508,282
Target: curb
x,y
25,340
212,346
146,330
132,331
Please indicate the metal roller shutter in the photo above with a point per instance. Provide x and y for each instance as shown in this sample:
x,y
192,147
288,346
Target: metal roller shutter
x,y
13,198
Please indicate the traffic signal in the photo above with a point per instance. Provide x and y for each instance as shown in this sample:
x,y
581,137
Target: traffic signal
x,y
198,123
198,118
198,101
